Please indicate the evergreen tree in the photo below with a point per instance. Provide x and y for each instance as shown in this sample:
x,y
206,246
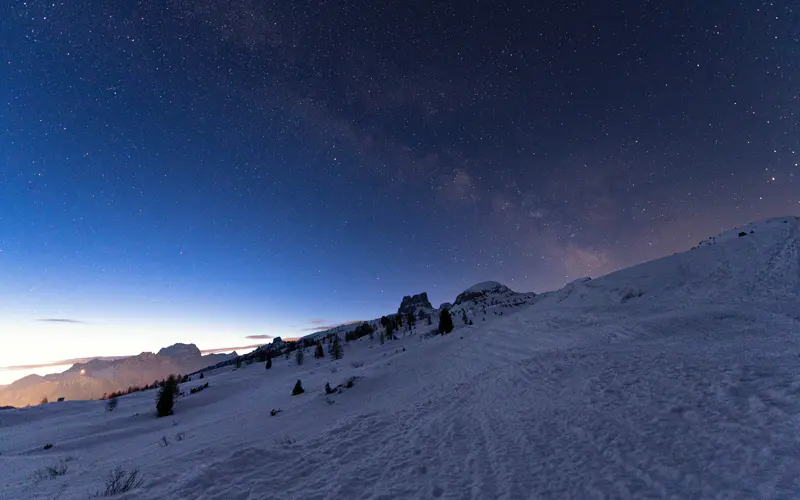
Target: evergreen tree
x,y
445,322
299,356
165,399
383,339
319,352
389,331
464,316
269,362
298,389
430,321
336,349
328,388
238,362
202,376
43,401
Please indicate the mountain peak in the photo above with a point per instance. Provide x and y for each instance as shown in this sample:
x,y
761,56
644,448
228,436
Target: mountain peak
x,y
412,303
180,351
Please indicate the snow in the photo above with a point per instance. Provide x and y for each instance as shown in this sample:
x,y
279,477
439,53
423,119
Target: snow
x,y
484,286
677,378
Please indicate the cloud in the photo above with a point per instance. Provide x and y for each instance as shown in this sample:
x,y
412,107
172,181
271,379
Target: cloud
x,y
62,320
259,337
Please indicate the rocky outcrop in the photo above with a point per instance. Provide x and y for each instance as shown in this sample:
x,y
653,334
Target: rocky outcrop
x,y
412,304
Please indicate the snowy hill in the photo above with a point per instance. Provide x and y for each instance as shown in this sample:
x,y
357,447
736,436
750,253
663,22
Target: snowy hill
x,y
677,378
96,377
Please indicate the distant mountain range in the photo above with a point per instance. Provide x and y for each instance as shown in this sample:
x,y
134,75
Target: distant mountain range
x,y
96,377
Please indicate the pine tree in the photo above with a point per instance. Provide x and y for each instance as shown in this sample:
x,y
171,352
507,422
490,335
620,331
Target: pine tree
x,y
445,322
269,362
299,356
165,399
464,316
298,389
328,388
336,349
238,362
43,401
202,376
319,352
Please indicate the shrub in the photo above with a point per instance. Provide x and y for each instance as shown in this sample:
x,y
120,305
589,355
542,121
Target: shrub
x,y
328,388
112,404
165,400
120,481
48,446
201,375
197,389
358,364
298,389
163,442
274,412
43,401
52,471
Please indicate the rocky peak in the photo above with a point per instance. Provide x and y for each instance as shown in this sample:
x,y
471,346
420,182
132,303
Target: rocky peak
x,y
411,304
481,290
181,351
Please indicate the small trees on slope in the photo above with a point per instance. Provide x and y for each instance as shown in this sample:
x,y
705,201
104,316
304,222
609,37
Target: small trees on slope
x,y
319,352
269,362
298,389
165,399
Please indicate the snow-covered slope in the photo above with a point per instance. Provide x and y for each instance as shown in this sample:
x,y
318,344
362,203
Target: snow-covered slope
x,y
685,390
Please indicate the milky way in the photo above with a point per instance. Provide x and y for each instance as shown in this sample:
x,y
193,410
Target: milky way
x,y
299,160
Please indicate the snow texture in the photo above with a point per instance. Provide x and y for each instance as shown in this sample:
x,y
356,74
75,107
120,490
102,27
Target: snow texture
x,y
678,378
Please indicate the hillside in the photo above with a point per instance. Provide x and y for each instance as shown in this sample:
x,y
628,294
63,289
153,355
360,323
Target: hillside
x,y
677,378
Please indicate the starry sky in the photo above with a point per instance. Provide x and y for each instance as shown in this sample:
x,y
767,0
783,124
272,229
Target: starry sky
x,y
221,172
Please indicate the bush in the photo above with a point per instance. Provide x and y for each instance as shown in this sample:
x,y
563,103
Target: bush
x,y
120,481
298,389
165,400
274,412
48,446
328,388
358,364
43,401
197,389
201,375
112,404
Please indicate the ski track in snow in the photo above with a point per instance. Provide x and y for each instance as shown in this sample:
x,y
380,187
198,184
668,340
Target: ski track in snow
x,y
689,388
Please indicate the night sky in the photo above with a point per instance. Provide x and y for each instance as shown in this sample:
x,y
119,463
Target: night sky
x,y
203,171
